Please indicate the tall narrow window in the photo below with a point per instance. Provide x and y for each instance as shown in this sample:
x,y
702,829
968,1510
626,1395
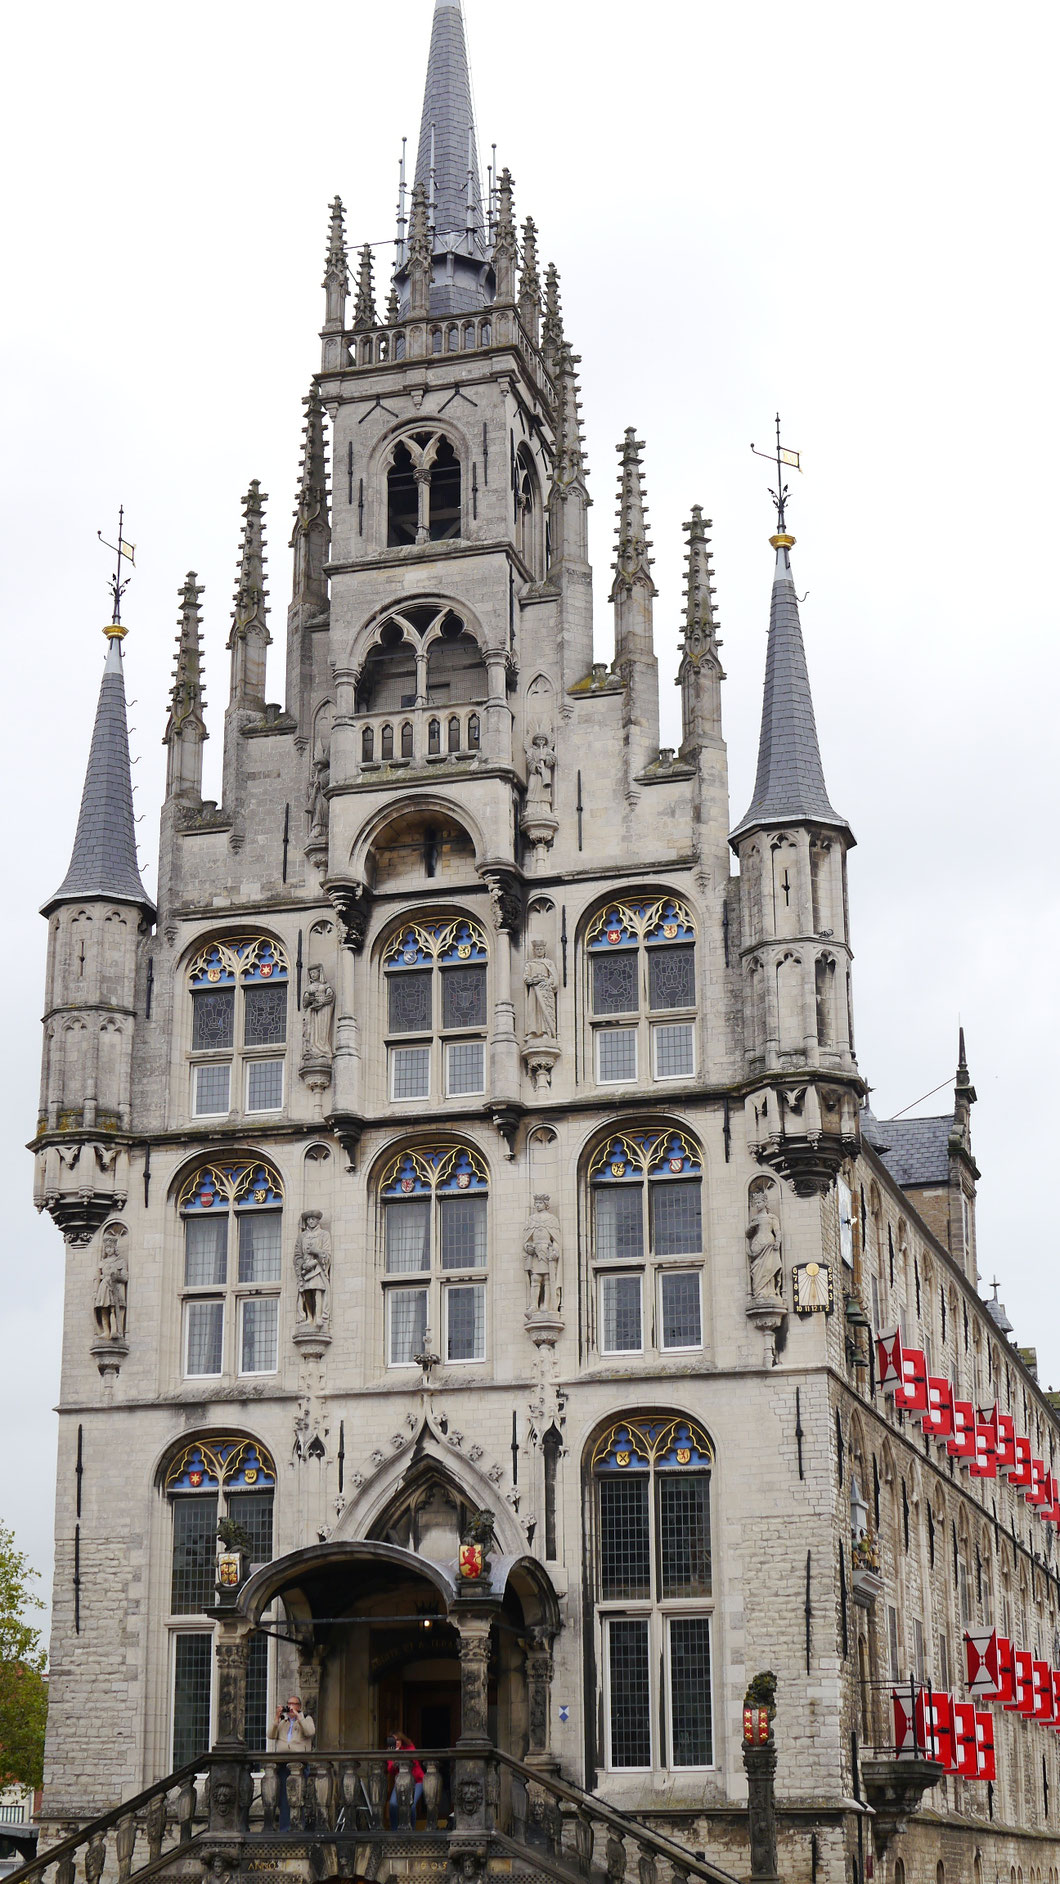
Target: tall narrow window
x,y
207,1480
641,995
435,973
434,1236
647,1241
654,1589
239,1026
232,1224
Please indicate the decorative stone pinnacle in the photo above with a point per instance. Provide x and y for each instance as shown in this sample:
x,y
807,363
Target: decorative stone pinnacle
x,y
530,279
570,467
420,262
313,479
250,598
187,698
504,245
393,306
632,562
552,325
336,269
700,631
364,314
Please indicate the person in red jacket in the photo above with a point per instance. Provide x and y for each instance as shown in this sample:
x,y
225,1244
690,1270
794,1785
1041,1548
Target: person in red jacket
x,y
402,1743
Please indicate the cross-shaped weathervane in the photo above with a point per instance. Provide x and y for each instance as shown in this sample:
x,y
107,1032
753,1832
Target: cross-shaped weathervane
x,y
782,457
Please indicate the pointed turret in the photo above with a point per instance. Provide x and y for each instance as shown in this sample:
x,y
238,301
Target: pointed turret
x,y
505,247
250,631
103,863
792,847
633,593
447,169
336,282
789,785
186,726
530,282
364,314
699,675
420,271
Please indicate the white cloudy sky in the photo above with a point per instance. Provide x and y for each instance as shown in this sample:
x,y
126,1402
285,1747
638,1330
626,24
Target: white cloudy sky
x,y
848,211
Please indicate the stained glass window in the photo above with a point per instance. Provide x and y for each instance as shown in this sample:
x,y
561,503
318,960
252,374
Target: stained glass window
x,y
434,1203
671,977
646,1202
615,984
642,961
435,970
463,997
238,992
409,1002
248,1191
213,1011
265,1015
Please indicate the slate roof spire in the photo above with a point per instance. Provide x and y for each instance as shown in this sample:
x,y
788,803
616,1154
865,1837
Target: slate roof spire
x,y
447,167
103,862
789,786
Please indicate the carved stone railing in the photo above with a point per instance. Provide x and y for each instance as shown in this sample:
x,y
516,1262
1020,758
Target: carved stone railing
x,y
472,1797
143,1834
419,736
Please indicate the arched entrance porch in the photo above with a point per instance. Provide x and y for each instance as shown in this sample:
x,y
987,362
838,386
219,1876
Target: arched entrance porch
x,y
387,1640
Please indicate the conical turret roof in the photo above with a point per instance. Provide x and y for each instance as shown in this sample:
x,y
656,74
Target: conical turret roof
x,y
789,786
103,862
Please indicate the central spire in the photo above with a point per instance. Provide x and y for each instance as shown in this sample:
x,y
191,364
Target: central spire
x,y
447,167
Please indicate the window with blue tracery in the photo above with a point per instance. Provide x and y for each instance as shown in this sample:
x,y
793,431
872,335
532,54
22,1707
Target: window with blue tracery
x,y
435,971
650,1538
640,958
434,1209
646,1226
232,1216
239,1026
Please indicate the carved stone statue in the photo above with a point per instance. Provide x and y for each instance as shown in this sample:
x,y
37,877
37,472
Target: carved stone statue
x,y
317,803
541,1248
318,1012
542,983
541,763
312,1267
113,1287
764,1247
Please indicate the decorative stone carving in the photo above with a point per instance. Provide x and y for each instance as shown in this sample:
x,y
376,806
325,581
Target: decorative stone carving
x,y
541,1249
764,1246
352,903
542,990
317,801
538,824
506,901
318,1014
312,1268
112,1289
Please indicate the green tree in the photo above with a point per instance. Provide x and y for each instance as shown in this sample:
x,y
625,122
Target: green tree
x,y
23,1688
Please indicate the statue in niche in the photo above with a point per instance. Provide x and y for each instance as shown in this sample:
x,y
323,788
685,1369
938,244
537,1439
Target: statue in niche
x,y
112,1289
541,1248
312,1268
317,802
542,986
541,763
318,1012
764,1250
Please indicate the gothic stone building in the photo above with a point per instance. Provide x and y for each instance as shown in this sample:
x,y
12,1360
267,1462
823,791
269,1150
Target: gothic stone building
x,y
469,1195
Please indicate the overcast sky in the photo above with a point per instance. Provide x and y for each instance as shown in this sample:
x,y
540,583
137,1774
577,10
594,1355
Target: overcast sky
x,y
846,211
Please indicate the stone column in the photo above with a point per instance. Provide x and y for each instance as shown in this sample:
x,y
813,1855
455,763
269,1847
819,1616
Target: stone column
x,y
231,1653
423,498
474,1678
539,1698
760,1764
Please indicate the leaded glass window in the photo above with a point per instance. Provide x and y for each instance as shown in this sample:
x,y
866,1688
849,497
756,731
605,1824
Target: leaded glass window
x,y
436,988
232,1222
238,998
194,1555
434,1203
646,1209
650,1482
192,1665
641,961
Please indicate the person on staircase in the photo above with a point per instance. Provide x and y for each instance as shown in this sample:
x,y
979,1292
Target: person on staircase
x,y
293,1732
401,1743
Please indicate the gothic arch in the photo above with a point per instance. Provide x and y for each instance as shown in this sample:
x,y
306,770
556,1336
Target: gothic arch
x,y
403,615
422,803
382,1489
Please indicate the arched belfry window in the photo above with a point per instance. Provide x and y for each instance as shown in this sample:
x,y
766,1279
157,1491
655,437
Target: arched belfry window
x,y
239,1026
204,1481
434,1211
528,511
640,957
650,1535
232,1217
646,1218
423,490
436,1008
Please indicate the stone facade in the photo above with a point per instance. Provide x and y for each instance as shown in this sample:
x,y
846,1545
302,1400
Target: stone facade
x,y
449,755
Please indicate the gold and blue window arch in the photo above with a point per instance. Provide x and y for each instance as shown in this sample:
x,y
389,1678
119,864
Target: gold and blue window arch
x,y
208,1479
436,1007
646,1211
239,1004
641,964
650,1479
434,1205
232,1215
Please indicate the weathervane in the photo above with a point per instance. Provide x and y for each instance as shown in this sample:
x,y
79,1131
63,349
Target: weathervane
x,y
117,586
782,457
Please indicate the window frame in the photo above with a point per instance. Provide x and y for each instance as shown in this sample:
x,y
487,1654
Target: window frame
x,y
641,928
655,1439
644,1159
434,1174
438,944
241,964
226,1184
